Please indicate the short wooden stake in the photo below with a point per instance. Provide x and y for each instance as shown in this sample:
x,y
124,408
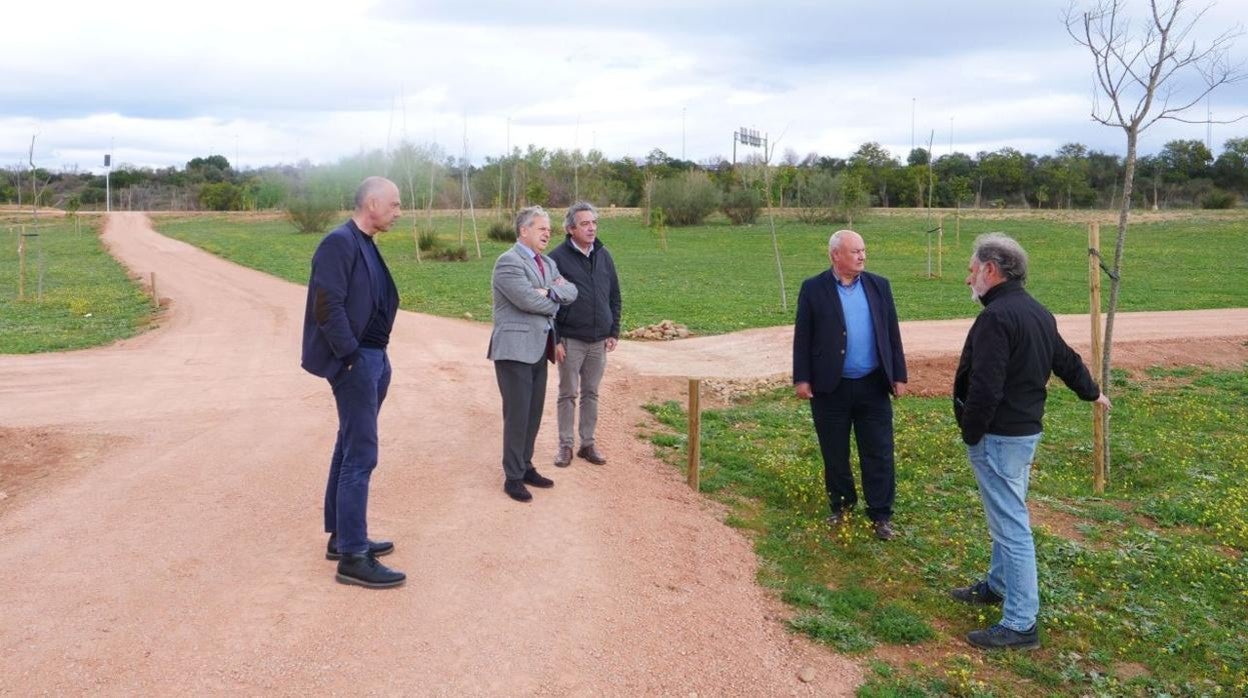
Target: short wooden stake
x,y
940,248
21,263
695,432
1098,412
155,298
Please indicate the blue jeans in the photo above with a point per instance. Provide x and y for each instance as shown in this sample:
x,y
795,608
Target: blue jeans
x,y
359,392
1003,470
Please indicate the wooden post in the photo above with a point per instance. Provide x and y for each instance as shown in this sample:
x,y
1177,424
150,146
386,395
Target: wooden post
x,y
695,432
21,263
1098,412
155,298
957,226
940,247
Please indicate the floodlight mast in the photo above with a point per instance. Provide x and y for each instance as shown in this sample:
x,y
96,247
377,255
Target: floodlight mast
x,y
108,188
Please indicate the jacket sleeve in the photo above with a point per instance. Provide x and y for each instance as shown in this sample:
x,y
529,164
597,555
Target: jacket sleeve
x,y
567,292
894,337
802,336
614,299
1069,366
987,383
332,264
514,284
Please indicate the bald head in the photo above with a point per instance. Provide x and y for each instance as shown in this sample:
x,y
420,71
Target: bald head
x,y
376,205
848,254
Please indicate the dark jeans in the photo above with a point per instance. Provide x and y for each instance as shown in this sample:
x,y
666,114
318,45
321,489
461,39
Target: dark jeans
x,y
523,387
359,392
865,405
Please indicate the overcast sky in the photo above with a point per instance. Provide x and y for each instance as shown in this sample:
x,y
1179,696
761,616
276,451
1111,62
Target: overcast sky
x,y
277,81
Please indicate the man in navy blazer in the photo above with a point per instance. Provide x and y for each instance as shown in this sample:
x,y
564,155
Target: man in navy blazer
x,y
848,360
351,306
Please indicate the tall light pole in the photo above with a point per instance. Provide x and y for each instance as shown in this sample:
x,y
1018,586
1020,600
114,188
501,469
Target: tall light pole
x,y
912,104
108,170
682,133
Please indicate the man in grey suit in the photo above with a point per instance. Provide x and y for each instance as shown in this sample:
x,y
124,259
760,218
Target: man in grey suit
x,y
528,291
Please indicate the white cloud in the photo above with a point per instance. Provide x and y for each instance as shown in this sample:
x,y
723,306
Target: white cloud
x,y
268,82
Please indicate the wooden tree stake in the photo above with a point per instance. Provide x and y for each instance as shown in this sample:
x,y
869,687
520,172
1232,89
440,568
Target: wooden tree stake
x,y
1098,412
695,432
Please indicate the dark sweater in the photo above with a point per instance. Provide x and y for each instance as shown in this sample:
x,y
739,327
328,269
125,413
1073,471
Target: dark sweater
x,y
595,315
1002,378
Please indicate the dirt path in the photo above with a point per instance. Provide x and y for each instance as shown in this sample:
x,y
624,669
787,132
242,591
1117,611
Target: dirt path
x,y
175,543
161,531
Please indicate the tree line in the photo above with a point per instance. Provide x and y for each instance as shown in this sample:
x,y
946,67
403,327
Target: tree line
x,y
1183,174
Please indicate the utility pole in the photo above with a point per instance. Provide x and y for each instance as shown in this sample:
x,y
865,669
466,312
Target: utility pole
x,y
912,105
682,133
108,171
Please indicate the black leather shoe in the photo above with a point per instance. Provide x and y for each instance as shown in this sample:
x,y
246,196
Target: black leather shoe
x,y
978,594
564,458
362,569
592,455
376,547
884,529
999,637
516,490
531,477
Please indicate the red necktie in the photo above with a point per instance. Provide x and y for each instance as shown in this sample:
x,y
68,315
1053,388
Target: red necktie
x,y
550,334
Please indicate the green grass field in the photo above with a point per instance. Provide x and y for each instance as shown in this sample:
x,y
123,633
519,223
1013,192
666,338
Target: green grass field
x,y
718,278
1144,591
85,298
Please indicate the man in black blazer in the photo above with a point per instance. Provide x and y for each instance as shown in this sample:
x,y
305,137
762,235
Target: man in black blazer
x,y
848,360
352,302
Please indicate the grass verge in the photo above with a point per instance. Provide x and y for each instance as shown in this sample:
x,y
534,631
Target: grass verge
x,y
719,278
1143,591
74,295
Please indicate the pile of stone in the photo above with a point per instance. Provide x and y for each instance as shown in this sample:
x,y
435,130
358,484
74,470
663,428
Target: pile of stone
x,y
661,332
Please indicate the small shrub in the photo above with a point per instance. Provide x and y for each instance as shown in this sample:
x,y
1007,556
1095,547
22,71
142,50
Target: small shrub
x,y
825,198
742,205
501,231
1219,199
310,213
451,254
686,199
426,240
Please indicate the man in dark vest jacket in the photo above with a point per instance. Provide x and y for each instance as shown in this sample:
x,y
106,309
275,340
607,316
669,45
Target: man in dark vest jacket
x,y
588,330
998,399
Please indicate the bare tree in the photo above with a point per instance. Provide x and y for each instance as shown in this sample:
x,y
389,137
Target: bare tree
x,y
36,187
1143,76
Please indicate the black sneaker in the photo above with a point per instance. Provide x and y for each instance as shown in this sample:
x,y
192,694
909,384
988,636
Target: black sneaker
x,y
376,547
532,477
362,569
999,637
978,594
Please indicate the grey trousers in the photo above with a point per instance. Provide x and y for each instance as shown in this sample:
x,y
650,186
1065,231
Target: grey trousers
x,y
579,374
523,387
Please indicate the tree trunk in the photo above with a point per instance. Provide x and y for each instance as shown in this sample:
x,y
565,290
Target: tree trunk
x,y
1124,209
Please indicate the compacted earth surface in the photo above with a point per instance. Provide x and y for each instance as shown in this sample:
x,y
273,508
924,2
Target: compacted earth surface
x,y
160,512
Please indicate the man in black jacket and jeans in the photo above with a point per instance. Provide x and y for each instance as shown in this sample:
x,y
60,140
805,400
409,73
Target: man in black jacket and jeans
x,y
588,329
998,397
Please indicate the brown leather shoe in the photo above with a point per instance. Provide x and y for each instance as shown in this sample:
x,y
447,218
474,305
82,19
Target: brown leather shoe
x,y
884,530
592,455
564,459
